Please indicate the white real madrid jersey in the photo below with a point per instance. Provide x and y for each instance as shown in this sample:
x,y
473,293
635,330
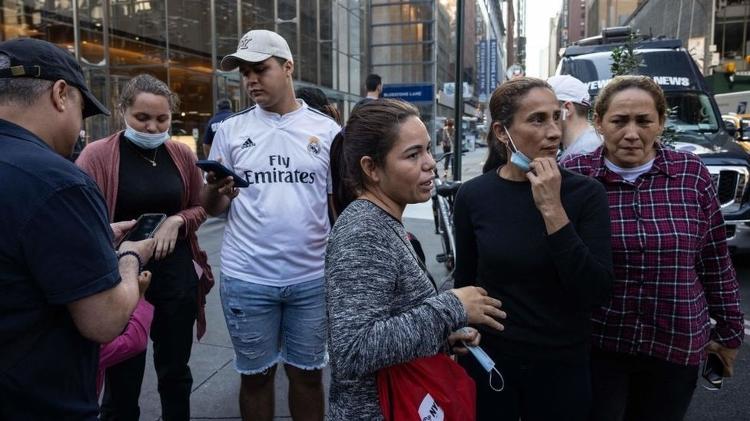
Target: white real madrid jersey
x,y
277,227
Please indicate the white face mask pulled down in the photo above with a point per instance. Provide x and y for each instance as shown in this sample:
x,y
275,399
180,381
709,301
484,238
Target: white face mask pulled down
x,y
517,157
146,140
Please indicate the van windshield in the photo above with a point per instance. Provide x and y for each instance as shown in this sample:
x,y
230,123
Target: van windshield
x,y
690,111
671,69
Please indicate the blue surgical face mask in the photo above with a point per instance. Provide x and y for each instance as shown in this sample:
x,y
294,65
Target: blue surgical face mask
x,y
517,157
487,364
146,140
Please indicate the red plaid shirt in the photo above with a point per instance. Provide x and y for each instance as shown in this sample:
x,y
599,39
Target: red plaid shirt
x,y
671,261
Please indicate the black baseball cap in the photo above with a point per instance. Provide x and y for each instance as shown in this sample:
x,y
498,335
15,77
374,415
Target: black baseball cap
x,y
35,58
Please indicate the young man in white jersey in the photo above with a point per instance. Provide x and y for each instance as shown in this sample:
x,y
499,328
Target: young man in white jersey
x,y
272,256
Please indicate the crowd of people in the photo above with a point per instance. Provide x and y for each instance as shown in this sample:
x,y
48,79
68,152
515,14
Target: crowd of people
x,y
588,277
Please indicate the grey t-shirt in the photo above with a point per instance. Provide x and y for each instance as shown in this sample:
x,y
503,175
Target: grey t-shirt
x,y
586,142
382,308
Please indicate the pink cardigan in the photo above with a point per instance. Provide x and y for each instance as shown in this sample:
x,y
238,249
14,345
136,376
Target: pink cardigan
x,y
101,161
130,343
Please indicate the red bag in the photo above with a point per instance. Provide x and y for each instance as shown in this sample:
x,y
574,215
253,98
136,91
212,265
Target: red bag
x,y
427,389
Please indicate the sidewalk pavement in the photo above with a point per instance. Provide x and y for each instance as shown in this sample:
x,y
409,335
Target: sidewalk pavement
x,y
215,381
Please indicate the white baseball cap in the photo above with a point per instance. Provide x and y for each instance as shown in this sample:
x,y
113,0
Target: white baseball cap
x,y
568,88
256,46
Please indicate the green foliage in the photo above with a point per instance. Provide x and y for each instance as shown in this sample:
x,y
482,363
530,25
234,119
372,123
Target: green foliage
x,y
624,59
669,134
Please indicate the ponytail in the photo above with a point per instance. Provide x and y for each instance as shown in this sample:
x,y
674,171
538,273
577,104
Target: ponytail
x,y
342,194
496,153
333,112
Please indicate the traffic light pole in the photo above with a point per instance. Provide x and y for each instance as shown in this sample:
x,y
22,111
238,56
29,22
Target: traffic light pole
x,y
459,92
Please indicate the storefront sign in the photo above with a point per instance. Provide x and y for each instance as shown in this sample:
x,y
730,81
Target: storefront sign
x,y
418,93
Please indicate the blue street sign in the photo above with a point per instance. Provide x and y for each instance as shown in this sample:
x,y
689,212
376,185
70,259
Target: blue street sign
x,y
493,62
481,60
418,93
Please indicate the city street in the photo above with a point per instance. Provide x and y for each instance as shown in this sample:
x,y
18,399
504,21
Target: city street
x,y
216,383
643,76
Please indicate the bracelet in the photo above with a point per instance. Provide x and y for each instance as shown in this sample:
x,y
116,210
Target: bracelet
x,y
134,254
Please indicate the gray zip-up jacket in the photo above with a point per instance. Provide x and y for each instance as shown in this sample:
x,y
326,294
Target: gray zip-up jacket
x,y
382,308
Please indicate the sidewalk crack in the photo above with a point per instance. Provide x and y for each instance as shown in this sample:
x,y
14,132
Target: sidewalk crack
x,y
211,376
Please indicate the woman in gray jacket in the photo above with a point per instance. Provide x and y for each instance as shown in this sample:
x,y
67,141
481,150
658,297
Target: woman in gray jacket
x,y
383,309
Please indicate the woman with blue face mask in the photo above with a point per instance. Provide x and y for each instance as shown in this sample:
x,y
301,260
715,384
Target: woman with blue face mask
x,y
536,237
139,170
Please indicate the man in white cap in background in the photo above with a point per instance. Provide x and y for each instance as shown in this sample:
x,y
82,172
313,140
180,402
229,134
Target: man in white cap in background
x,y
272,256
579,137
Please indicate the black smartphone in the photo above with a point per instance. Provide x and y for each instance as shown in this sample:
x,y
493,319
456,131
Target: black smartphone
x,y
221,171
713,371
145,227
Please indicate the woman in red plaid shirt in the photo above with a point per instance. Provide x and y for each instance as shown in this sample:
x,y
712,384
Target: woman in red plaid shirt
x,y
671,262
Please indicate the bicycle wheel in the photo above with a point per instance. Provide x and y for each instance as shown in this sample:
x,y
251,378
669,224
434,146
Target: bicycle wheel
x,y
447,258
435,213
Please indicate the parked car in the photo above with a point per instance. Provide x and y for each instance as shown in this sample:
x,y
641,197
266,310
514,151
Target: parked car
x,y
735,125
694,120
733,102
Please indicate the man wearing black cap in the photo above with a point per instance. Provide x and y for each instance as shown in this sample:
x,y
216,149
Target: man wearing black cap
x,y
64,289
223,110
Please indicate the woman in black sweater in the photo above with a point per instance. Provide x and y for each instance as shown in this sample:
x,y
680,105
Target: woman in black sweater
x,y
537,237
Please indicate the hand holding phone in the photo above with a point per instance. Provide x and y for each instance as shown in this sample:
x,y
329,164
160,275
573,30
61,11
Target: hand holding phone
x,y
726,355
119,229
145,227
713,371
220,171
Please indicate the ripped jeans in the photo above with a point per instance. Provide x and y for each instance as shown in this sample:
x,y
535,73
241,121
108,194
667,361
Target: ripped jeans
x,y
270,324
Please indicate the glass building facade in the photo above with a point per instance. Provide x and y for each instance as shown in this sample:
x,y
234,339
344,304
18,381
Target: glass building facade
x,y
182,41
402,46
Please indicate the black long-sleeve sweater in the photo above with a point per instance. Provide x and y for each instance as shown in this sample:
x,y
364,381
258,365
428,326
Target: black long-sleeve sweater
x,y
548,283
